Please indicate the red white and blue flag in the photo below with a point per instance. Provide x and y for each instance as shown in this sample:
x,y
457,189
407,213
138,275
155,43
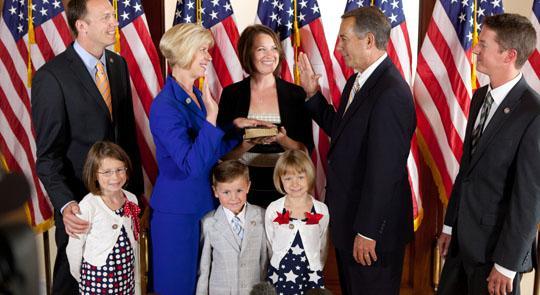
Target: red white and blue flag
x,y
279,16
217,15
138,50
444,84
17,141
531,69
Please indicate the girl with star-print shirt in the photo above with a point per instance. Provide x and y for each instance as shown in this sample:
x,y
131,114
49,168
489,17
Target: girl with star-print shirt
x,y
296,227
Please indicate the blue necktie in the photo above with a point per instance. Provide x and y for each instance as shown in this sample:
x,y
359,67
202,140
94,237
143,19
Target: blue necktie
x,y
237,227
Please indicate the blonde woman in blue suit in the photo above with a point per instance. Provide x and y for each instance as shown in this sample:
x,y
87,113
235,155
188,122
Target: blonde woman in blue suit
x,y
188,144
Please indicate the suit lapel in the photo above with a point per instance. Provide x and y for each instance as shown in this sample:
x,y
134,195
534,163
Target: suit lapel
x,y
244,97
497,121
223,228
283,102
113,74
81,73
183,98
360,98
250,222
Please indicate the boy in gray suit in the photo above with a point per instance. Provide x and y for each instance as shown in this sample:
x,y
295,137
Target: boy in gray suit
x,y
234,254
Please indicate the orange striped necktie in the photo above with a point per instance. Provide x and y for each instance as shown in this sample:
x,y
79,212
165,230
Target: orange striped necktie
x,y
102,83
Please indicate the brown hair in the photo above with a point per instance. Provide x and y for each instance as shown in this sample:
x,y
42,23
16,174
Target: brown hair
x,y
228,171
245,47
99,151
513,31
76,10
370,19
294,161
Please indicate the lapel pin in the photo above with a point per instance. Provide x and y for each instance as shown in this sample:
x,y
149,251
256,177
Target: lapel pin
x,y
506,110
188,100
253,223
111,60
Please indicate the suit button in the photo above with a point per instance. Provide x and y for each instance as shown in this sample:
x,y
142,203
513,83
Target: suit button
x,y
114,226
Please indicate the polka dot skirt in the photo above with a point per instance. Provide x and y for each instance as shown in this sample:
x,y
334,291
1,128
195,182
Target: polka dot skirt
x,y
117,276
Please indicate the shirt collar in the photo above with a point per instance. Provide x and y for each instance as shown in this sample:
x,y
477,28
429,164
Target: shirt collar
x,y
363,76
88,59
498,94
230,215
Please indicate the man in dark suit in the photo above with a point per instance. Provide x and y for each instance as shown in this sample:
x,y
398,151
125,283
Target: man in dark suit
x,y
81,96
368,192
490,224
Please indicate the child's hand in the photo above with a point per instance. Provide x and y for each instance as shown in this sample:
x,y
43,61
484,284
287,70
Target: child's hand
x,y
73,224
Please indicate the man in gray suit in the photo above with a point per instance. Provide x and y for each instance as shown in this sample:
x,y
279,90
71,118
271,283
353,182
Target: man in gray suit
x,y
234,253
490,225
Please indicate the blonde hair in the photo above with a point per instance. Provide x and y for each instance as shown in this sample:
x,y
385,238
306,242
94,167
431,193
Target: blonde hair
x,y
293,161
180,43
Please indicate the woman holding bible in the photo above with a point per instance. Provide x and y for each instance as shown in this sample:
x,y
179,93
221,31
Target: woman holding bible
x,y
264,96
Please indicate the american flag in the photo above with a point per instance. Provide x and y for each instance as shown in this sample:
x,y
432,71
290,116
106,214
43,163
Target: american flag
x,y
279,16
399,51
138,50
17,141
443,85
217,15
531,69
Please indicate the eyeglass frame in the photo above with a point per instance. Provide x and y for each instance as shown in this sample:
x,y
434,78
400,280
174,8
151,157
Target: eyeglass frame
x,y
110,173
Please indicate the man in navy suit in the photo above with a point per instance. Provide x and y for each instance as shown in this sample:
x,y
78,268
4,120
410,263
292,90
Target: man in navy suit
x,y
490,224
70,114
368,192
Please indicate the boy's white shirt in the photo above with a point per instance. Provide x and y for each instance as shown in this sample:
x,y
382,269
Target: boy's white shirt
x,y
281,237
96,245
230,215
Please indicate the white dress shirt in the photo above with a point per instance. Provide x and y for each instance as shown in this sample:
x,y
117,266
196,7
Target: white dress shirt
x,y
230,215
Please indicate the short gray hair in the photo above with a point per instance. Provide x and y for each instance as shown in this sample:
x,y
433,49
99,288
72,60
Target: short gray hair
x,y
370,19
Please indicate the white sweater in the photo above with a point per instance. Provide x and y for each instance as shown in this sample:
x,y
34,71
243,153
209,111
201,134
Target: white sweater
x,y
281,237
105,228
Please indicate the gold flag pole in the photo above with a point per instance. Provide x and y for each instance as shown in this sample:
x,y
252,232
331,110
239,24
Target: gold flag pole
x,y
198,15
474,42
117,30
31,41
296,43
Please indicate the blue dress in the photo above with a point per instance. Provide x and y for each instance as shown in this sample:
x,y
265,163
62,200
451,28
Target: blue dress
x,y
187,148
294,275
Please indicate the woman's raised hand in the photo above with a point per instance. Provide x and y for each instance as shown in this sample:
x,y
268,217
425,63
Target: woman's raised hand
x,y
210,104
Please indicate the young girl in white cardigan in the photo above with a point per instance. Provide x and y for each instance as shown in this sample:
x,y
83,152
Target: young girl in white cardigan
x,y
296,227
105,259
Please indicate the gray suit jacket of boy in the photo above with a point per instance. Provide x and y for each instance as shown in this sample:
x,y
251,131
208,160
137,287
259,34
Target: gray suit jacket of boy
x,y
228,265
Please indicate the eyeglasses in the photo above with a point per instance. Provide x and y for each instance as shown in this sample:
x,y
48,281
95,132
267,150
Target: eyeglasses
x,y
109,173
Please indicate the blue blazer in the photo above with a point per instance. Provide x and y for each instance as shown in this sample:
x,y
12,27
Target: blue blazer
x,y
187,148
